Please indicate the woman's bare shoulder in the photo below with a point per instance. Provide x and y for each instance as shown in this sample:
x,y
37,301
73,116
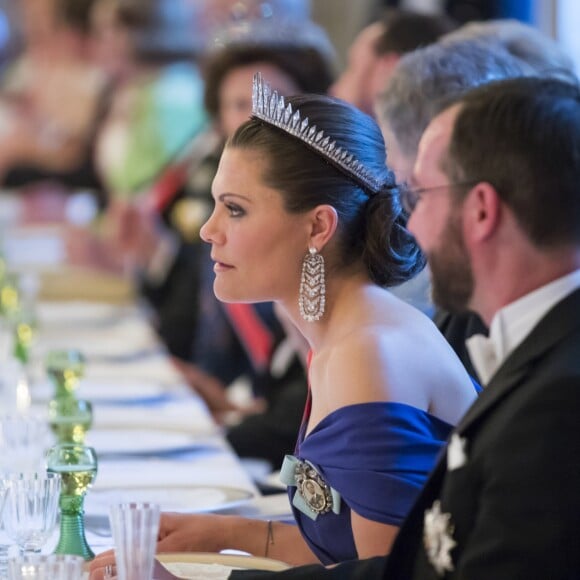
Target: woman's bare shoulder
x,y
361,366
402,361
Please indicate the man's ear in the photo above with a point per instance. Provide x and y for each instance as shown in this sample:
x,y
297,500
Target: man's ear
x,y
323,225
481,212
383,69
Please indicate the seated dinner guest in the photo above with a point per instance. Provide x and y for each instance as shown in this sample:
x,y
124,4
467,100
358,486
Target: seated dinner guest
x,y
307,215
502,503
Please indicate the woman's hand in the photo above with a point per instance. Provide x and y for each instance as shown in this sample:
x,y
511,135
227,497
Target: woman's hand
x,y
177,533
190,533
98,565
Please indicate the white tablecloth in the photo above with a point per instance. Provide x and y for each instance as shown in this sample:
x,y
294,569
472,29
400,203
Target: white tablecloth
x,y
139,402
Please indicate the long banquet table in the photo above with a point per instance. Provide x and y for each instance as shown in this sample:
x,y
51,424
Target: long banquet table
x,y
155,439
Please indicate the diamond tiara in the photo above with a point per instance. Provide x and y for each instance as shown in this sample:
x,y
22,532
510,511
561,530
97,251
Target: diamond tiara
x,y
276,33
270,107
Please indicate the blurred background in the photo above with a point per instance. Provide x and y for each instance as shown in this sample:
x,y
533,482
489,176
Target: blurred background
x,y
113,116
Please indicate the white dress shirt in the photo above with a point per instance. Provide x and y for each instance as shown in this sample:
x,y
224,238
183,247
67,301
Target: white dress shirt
x,y
514,322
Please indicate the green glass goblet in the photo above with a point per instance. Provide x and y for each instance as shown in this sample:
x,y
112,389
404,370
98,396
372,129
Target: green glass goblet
x,y
65,368
25,325
70,419
77,466
9,295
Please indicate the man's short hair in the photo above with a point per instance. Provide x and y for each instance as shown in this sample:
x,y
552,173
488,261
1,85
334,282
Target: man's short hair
x,y
427,80
404,31
523,136
525,42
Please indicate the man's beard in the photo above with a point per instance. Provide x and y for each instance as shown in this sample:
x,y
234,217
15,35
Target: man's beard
x,y
451,274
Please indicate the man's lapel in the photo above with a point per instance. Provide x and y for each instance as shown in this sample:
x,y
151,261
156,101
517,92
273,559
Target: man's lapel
x,y
561,320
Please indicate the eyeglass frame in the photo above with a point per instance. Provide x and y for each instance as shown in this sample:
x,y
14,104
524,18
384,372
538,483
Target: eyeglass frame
x,y
410,197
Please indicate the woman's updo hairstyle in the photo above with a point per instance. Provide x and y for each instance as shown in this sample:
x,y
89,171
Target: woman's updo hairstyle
x,y
371,224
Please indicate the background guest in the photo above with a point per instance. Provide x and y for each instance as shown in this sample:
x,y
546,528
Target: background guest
x,y
522,40
422,84
377,49
425,81
52,99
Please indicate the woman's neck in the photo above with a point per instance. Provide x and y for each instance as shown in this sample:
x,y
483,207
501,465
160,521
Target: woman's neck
x,y
338,316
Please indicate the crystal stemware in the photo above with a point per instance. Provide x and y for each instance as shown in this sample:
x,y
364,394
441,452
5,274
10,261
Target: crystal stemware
x,y
22,445
46,567
31,509
70,419
77,466
65,368
22,442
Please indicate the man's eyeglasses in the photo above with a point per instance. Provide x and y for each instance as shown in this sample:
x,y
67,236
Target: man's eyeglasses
x,y
410,197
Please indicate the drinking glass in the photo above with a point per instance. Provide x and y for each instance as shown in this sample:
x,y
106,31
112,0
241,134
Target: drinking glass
x,y
46,567
22,442
70,419
31,509
77,466
65,368
135,527
22,445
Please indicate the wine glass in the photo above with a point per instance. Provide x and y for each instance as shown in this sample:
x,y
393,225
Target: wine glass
x,y
65,368
31,509
77,466
70,419
22,442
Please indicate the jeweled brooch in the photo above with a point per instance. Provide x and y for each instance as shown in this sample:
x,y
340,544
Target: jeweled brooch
x,y
313,489
438,538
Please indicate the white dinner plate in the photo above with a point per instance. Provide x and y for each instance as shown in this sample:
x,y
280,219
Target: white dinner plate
x,y
78,313
184,499
198,566
139,441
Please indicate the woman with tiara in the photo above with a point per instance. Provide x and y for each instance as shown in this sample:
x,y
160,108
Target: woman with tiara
x,y
307,215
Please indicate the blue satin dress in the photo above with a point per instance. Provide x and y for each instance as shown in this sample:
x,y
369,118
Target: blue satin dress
x,y
377,457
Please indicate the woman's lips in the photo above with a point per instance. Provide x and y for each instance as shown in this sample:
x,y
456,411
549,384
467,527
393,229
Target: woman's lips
x,y
221,267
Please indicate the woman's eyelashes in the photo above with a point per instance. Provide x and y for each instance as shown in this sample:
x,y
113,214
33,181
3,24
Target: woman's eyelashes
x,y
234,209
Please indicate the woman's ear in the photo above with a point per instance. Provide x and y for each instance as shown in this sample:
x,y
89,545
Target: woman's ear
x,y
324,223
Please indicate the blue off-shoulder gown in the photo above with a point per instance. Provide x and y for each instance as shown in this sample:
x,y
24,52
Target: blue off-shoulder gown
x,y
377,457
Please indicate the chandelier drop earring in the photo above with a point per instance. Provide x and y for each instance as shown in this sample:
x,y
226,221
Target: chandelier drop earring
x,y
312,295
